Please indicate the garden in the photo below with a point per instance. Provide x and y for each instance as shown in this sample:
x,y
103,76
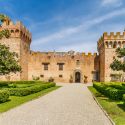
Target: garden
x,y
13,93
111,97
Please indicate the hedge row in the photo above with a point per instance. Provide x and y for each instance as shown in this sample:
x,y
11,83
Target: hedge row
x,y
118,86
124,98
29,90
7,84
113,93
4,96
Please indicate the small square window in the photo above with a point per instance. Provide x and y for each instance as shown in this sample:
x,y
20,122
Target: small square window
x,y
60,66
60,76
45,66
41,75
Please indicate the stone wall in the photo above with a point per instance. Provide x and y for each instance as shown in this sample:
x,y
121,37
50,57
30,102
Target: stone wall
x,y
87,65
18,42
107,46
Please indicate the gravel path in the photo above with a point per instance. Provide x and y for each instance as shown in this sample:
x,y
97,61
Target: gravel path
x,y
71,104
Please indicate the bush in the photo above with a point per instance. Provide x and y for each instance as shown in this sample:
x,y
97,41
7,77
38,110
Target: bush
x,y
113,93
3,84
29,90
124,98
4,96
15,84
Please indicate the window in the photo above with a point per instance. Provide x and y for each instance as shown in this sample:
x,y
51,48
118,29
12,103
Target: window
x,y
60,76
77,62
45,66
41,75
60,66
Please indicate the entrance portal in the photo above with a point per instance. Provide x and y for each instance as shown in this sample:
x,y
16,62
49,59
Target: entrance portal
x,y
77,77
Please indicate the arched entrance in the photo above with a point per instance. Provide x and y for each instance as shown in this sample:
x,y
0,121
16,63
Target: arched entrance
x,y
77,77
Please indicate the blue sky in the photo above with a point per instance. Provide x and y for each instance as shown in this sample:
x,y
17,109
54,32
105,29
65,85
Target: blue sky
x,y
64,25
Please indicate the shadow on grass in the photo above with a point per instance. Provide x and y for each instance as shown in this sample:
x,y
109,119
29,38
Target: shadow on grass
x,y
6,101
122,106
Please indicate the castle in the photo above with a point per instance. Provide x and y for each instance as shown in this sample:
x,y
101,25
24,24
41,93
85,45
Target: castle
x,y
61,66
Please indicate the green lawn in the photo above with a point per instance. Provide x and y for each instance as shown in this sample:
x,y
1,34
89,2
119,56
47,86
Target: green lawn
x,y
115,109
15,100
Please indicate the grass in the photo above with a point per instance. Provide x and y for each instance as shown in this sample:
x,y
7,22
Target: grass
x,y
115,109
16,101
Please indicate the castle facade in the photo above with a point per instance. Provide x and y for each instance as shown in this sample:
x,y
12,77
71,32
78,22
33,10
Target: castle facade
x,y
61,66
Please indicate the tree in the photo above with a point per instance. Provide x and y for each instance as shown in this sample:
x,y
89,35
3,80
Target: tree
x,y
119,65
4,33
8,62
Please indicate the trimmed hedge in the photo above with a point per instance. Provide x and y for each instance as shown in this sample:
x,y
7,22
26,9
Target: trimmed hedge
x,y
29,90
124,97
18,82
4,96
15,84
113,93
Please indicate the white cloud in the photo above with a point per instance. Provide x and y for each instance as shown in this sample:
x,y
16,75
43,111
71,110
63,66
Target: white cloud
x,y
80,47
116,3
82,27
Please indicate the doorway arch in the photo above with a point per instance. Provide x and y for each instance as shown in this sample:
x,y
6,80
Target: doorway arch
x,y
77,77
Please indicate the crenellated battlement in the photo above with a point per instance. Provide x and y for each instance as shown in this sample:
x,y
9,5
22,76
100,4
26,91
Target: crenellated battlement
x,y
111,40
113,36
16,30
89,54
62,54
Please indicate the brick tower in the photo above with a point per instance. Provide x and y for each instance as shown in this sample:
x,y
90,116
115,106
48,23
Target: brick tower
x,y
107,45
18,42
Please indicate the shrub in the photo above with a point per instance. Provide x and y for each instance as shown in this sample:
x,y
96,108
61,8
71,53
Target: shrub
x,y
113,93
3,84
124,98
4,96
15,84
29,90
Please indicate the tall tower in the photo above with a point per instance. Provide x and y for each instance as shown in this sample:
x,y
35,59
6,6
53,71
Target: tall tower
x,y
107,45
19,42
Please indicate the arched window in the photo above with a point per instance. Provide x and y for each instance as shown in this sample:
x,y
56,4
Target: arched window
x,y
106,45
119,44
110,44
123,43
115,45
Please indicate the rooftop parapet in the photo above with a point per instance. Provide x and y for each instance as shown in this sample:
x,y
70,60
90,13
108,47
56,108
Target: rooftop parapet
x,y
56,54
17,29
112,35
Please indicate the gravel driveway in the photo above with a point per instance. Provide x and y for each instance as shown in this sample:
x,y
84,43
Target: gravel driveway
x,y
71,104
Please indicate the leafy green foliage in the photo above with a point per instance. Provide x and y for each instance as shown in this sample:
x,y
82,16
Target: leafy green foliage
x,y
8,62
115,93
116,65
4,96
115,109
3,17
119,65
4,33
14,91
